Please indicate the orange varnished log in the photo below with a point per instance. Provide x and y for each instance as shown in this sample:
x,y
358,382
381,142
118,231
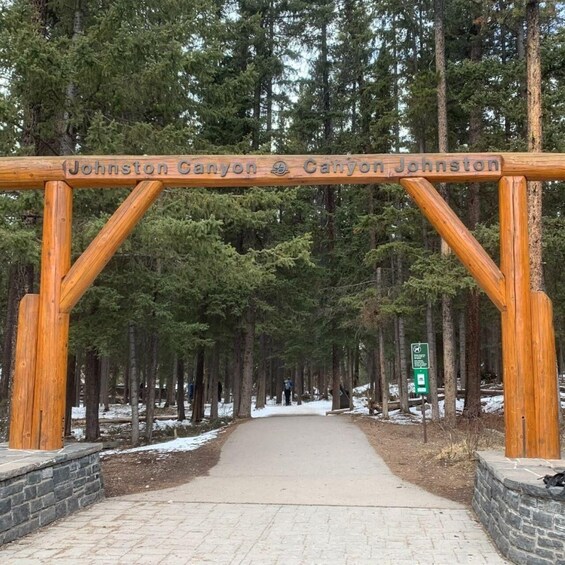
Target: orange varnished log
x,y
535,166
265,170
248,170
21,407
545,376
519,403
89,265
459,238
53,325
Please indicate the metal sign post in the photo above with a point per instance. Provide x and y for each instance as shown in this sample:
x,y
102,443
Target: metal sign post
x,y
420,367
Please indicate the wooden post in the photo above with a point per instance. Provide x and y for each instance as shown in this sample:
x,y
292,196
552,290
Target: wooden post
x,y
545,377
458,237
53,325
518,372
21,407
89,265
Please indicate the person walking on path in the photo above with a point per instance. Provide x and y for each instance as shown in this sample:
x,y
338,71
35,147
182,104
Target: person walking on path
x,y
287,391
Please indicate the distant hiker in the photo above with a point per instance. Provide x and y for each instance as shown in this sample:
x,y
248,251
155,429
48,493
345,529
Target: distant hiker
x,y
287,391
190,392
220,391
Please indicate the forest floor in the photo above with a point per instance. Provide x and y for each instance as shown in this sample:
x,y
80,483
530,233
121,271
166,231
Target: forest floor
x,y
444,465
141,471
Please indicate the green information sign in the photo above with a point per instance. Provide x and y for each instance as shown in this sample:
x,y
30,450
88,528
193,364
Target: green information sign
x,y
420,356
421,381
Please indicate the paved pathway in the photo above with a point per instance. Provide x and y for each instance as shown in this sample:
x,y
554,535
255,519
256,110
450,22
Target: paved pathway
x,y
288,490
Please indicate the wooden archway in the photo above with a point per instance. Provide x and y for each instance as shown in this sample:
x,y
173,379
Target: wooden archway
x,y
529,359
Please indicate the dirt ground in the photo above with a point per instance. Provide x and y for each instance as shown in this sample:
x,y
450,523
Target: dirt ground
x,y
444,465
131,473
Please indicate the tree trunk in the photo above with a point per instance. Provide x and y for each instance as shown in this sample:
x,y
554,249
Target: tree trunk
x,y
534,82
262,372
462,352
403,377
133,385
181,416
105,382
449,375
92,394
247,372
198,400
473,391
473,323
439,33
214,381
384,380
151,383
170,400
237,369
71,375
299,384
430,331
336,380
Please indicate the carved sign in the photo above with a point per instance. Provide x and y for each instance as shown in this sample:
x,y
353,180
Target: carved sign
x,y
264,170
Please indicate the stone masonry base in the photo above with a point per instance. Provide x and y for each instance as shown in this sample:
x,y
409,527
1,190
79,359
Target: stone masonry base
x,y
38,487
524,518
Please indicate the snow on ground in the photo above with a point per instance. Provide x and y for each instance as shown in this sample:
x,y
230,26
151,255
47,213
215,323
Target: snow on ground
x,y
491,405
175,445
315,408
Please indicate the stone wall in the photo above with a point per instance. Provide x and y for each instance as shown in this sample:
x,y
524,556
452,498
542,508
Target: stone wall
x,y
525,519
38,487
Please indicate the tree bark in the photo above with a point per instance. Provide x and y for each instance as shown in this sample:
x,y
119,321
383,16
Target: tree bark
x,y
262,372
403,377
446,302
534,82
198,400
247,372
133,385
181,416
71,375
214,380
105,382
151,383
237,369
473,319
430,331
170,400
92,394
462,385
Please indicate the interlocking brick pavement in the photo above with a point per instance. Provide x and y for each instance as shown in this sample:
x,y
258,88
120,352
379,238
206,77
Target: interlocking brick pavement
x,y
256,508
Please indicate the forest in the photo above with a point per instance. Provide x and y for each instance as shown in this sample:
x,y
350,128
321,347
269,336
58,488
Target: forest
x,y
323,285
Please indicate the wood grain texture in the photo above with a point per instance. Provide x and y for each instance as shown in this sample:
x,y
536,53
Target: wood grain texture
x,y
53,325
246,170
459,238
545,376
89,265
519,403
32,172
21,407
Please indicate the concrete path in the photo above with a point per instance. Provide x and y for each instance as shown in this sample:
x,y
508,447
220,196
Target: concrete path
x,y
307,490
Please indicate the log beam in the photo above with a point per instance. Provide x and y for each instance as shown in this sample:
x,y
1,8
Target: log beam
x,y
89,265
519,393
53,325
23,384
459,238
545,377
